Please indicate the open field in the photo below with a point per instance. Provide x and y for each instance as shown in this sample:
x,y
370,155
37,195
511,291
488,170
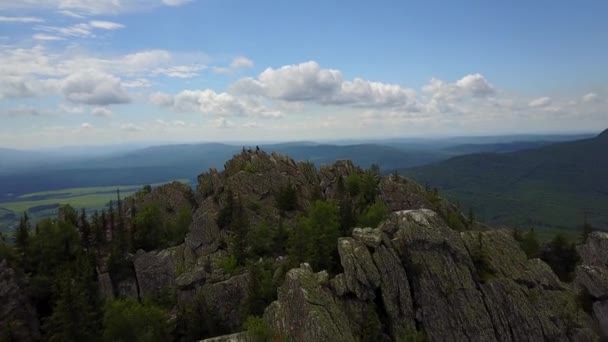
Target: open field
x,y
40,205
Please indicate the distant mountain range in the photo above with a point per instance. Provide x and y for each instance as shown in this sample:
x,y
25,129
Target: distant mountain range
x,y
23,172
557,185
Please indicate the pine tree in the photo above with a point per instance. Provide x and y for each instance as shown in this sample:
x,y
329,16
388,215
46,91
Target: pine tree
x,y
111,220
22,239
85,229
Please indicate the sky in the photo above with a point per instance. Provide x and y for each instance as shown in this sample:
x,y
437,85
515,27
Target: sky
x,y
94,72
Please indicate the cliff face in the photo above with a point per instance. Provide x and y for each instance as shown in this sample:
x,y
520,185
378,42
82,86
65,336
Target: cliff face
x,y
420,278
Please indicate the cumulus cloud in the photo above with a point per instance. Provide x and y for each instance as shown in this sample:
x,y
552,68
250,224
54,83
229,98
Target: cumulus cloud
x,y
101,112
176,2
540,102
94,89
21,20
472,85
308,82
86,125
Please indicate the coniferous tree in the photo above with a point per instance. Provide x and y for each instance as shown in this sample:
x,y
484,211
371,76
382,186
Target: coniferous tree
x,y
111,220
585,231
85,229
22,238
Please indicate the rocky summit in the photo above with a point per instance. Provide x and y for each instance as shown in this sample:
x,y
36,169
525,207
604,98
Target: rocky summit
x,y
401,263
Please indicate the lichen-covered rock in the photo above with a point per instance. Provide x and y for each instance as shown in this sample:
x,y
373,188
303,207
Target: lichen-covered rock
x,y
600,313
155,271
307,311
17,314
595,251
127,288
420,275
106,290
446,296
226,300
237,337
203,237
360,272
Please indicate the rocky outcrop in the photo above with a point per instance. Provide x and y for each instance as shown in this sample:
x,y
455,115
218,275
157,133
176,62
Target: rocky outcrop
x,y
155,271
18,320
592,277
427,279
307,310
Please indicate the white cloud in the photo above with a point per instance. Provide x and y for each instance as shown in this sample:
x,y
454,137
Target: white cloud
x,y
540,102
241,62
308,82
86,125
161,99
590,97
180,71
94,88
101,112
46,37
71,14
89,7
137,83
176,2
472,85
23,20
105,25
222,122
131,127
82,29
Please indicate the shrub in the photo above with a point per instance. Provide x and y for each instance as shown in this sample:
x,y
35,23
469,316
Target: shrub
x,y
287,199
373,215
257,329
129,320
229,264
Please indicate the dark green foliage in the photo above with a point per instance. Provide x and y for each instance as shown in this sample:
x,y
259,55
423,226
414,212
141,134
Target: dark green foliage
x,y
454,221
224,216
7,252
530,244
229,264
261,240
347,216
373,215
68,214
194,322
21,238
257,329
371,329
313,240
85,229
480,259
287,198
262,289
154,230
149,228
147,189
73,318
354,184
561,255
128,320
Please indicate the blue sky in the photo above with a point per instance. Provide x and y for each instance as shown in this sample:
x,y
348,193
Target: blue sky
x,y
110,71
